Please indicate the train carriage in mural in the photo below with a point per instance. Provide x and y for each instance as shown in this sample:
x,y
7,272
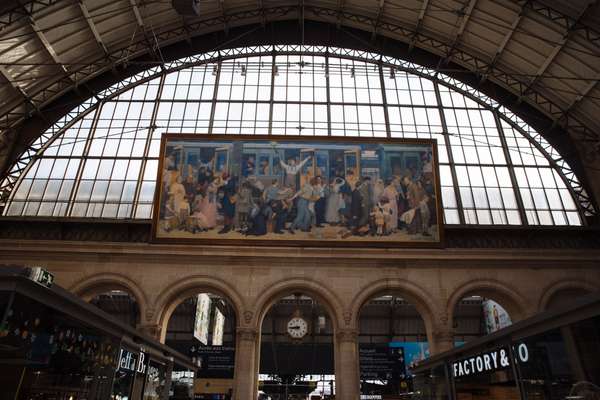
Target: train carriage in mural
x,y
296,191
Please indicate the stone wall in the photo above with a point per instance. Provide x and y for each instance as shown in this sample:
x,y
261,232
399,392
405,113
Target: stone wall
x,y
253,278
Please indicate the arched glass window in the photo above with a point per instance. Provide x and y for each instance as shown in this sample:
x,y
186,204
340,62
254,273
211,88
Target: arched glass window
x,y
101,159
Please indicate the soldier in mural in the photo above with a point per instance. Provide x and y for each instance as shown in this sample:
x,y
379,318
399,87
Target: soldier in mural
x,y
322,191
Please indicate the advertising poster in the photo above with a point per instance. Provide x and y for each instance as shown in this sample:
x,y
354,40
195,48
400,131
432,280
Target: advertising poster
x,y
202,320
495,316
413,352
218,327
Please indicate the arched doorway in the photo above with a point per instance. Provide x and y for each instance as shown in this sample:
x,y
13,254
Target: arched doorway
x,y
296,349
119,304
203,326
476,316
565,296
392,338
482,307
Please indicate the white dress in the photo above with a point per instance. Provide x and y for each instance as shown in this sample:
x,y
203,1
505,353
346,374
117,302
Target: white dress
x,y
335,202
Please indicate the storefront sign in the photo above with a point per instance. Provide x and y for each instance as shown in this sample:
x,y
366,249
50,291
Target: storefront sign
x,y
489,361
129,361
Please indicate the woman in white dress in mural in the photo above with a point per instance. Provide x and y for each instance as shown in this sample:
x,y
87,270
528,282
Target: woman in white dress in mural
x,y
391,194
209,204
335,201
180,204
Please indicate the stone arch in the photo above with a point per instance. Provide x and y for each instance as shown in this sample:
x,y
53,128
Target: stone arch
x,y
512,301
412,292
554,288
329,300
92,286
173,295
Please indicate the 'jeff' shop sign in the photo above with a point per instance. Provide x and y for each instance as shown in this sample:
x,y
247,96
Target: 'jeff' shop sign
x,y
489,361
132,362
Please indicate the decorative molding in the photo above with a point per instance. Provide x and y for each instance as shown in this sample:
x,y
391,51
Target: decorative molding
x,y
247,334
248,316
150,314
153,330
459,237
347,317
347,335
443,335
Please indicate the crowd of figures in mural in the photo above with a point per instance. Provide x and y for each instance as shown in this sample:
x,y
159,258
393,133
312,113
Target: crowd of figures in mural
x,y
297,190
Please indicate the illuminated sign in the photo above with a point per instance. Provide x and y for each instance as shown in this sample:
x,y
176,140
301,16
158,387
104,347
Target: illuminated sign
x,y
488,362
218,327
202,318
41,276
132,362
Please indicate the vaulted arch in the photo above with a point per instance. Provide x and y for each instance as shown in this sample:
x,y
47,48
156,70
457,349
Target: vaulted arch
x,y
100,159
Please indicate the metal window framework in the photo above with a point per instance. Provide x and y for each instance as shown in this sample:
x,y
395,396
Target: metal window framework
x,y
218,57
12,118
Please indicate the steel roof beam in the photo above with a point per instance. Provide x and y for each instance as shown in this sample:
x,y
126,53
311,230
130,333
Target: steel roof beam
x,y
4,72
558,48
138,15
224,15
505,40
92,26
140,22
263,17
566,21
465,12
340,12
48,46
377,19
422,13
586,91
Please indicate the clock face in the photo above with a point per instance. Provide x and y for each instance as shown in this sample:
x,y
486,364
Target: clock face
x,y
297,327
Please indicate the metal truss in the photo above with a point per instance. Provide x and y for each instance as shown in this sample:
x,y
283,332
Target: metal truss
x,y
521,88
19,169
93,29
23,10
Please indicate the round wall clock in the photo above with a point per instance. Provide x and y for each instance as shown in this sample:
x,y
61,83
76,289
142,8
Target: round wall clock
x,y
297,327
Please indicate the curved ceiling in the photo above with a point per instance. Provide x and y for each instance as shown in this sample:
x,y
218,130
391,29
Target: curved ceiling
x,y
547,56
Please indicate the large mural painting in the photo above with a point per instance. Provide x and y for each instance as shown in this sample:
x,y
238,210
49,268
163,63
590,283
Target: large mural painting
x,y
297,191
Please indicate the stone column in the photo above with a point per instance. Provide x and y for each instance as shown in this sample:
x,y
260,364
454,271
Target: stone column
x,y
152,330
347,375
245,380
443,340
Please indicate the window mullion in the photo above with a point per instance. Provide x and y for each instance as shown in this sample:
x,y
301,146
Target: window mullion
x,y
211,121
84,154
511,170
328,93
272,94
459,205
386,117
138,186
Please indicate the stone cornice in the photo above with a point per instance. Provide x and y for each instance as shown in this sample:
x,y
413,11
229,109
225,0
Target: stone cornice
x,y
347,335
247,333
456,237
116,240
164,253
